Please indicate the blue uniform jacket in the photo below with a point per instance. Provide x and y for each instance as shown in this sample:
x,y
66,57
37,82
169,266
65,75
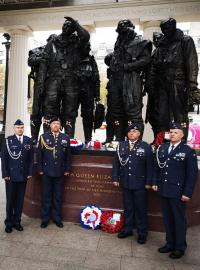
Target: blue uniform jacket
x,y
54,162
136,166
17,158
178,173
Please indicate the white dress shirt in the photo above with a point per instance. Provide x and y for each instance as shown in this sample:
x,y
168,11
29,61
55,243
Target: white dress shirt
x,y
21,138
175,145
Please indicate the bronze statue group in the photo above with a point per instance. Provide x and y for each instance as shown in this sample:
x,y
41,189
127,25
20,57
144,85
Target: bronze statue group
x,y
65,76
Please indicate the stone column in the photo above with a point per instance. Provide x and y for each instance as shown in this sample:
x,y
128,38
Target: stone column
x,y
148,29
18,78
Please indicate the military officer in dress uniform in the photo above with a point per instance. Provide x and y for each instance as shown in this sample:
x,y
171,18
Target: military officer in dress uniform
x,y
53,163
175,176
16,162
132,169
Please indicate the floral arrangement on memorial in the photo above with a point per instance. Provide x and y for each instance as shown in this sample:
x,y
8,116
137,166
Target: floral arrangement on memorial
x,y
90,217
193,139
76,145
112,221
94,145
159,138
112,146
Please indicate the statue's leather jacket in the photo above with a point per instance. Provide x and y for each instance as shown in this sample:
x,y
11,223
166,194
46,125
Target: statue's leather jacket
x,y
34,59
62,56
88,75
176,60
133,52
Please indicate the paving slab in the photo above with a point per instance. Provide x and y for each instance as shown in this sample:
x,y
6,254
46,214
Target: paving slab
x,y
18,263
13,248
55,254
112,245
76,240
102,261
128,263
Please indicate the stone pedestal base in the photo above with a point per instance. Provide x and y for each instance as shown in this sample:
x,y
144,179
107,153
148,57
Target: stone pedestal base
x,y
90,183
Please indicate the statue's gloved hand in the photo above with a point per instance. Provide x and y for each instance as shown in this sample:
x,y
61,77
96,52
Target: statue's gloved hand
x,y
40,89
74,22
129,66
194,97
192,87
120,66
126,67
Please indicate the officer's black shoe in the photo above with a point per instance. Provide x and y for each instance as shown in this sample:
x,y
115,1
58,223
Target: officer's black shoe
x,y
18,227
176,254
8,229
124,234
59,224
44,224
141,240
164,249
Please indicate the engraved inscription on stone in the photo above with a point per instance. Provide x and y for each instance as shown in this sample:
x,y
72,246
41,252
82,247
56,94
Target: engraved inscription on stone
x,y
94,183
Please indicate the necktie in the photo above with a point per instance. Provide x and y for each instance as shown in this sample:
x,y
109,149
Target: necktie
x,y
20,139
171,148
131,145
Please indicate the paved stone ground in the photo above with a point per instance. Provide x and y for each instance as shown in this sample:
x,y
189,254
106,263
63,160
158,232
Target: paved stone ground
x,y
75,248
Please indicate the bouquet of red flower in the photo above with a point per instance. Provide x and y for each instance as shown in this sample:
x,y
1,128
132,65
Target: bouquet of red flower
x,y
112,221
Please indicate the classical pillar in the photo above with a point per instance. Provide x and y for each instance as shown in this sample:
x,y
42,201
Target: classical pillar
x,y
148,29
18,78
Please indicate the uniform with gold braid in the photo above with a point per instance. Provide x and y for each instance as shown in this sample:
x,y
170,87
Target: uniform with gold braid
x,y
47,147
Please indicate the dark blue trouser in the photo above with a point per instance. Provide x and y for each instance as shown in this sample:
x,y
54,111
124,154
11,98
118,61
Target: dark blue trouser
x,y
52,188
175,222
15,192
135,210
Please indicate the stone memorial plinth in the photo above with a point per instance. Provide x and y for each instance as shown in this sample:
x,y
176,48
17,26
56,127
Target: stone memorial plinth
x,y
90,183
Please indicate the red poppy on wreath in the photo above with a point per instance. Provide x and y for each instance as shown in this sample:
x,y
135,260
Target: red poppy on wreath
x,y
112,221
76,145
95,145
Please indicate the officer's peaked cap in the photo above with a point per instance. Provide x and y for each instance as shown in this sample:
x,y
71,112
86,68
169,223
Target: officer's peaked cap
x,y
18,122
176,125
54,118
134,126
